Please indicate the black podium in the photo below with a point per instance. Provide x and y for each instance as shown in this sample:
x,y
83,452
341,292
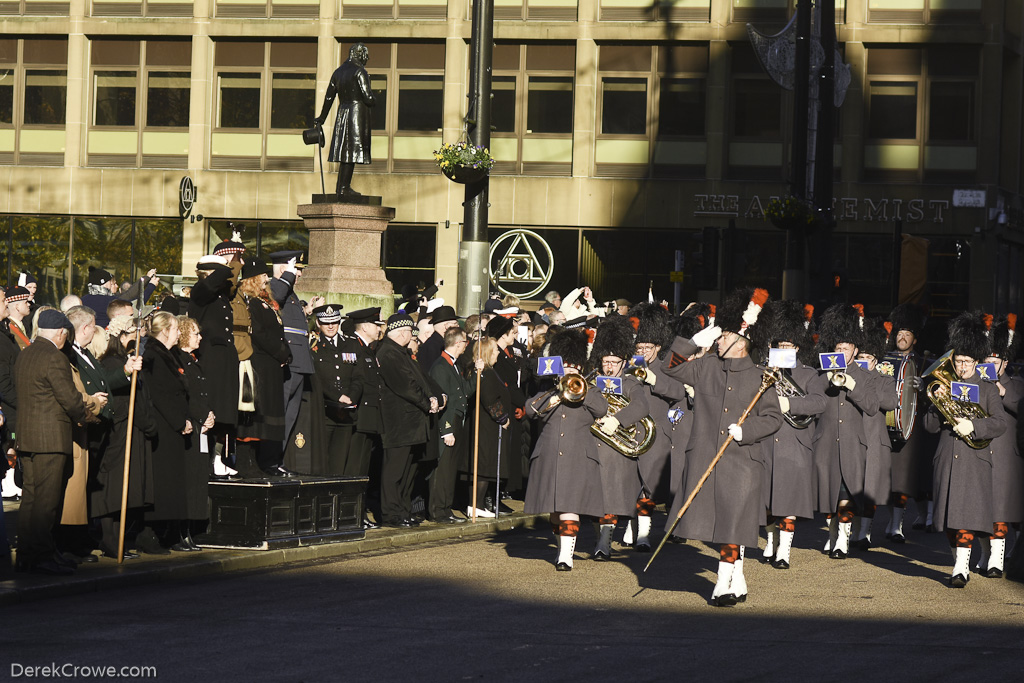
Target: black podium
x,y
274,513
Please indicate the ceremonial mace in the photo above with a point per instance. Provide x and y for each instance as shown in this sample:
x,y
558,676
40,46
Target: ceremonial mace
x,y
768,379
131,421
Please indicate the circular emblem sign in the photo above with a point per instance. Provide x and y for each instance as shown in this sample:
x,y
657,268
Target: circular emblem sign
x,y
521,263
186,196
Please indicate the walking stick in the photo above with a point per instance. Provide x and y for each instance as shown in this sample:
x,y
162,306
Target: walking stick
x,y
476,421
769,378
497,473
128,439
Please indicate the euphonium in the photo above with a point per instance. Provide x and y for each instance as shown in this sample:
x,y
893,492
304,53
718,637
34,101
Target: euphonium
x,y
625,438
571,388
786,386
953,410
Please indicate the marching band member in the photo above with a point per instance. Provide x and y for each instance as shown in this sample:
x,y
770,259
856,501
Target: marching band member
x,y
789,463
840,453
962,478
563,469
653,339
878,465
620,475
728,509
911,459
1007,467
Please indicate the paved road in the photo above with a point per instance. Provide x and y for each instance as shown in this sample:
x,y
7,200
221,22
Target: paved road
x,y
495,610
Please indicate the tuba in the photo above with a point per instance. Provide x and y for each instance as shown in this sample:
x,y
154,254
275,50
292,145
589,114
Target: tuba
x,y
571,388
952,410
632,440
786,386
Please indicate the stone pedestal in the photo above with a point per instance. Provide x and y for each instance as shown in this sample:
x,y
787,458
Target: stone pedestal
x,y
344,254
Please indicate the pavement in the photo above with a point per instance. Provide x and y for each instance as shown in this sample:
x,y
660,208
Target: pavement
x,y
106,574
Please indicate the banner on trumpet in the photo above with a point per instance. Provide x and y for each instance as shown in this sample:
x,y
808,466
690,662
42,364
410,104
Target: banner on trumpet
x,y
550,365
832,361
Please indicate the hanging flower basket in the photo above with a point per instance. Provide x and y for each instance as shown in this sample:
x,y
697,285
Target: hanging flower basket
x,y
790,213
463,162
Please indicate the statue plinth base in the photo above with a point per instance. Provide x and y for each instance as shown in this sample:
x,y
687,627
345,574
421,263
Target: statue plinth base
x,y
363,199
344,253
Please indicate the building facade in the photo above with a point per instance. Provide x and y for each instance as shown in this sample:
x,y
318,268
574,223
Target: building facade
x,y
638,139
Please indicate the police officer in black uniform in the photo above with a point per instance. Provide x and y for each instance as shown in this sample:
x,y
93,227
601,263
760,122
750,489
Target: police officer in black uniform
x,y
335,361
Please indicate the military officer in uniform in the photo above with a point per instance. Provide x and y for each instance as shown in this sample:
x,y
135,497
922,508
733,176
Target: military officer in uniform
x,y
296,333
335,361
366,444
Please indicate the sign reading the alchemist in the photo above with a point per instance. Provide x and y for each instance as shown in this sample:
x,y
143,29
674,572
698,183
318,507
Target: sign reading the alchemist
x,y
521,263
844,208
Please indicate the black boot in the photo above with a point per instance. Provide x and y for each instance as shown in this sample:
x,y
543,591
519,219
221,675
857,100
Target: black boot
x,y
182,545
148,543
188,536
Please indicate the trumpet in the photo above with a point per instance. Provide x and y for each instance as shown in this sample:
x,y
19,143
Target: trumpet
x,y
571,388
839,379
950,408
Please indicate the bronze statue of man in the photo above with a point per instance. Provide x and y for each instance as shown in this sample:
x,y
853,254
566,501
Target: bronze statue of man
x,y
350,143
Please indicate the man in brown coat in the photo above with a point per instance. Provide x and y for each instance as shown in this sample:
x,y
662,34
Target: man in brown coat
x,y
47,393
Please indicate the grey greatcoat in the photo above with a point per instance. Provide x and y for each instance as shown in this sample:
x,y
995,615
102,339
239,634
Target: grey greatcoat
x,y
839,443
878,466
1007,465
912,460
728,508
350,143
962,476
790,486
564,472
660,469
620,475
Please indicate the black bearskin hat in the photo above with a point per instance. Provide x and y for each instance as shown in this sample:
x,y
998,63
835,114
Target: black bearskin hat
x,y
906,317
875,338
652,325
614,338
1004,338
693,320
740,311
784,321
840,324
968,335
571,345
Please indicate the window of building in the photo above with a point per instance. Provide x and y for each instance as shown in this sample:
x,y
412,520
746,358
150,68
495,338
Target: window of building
x,y
924,11
651,110
757,119
922,113
142,8
277,9
532,110
408,114
33,100
140,103
393,9
408,255
36,8
58,250
260,237
265,94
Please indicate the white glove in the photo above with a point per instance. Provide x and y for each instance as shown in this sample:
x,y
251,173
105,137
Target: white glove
x,y
964,427
689,390
851,383
784,404
290,266
707,337
736,432
236,236
651,378
608,425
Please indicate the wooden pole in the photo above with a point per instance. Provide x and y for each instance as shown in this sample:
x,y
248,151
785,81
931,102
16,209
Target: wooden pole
x,y
128,439
766,381
476,426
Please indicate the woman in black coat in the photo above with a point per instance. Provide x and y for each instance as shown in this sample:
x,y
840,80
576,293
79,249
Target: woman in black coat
x,y
495,416
105,499
261,432
196,458
168,389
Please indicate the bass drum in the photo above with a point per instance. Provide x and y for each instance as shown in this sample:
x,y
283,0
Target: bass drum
x,y
901,421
